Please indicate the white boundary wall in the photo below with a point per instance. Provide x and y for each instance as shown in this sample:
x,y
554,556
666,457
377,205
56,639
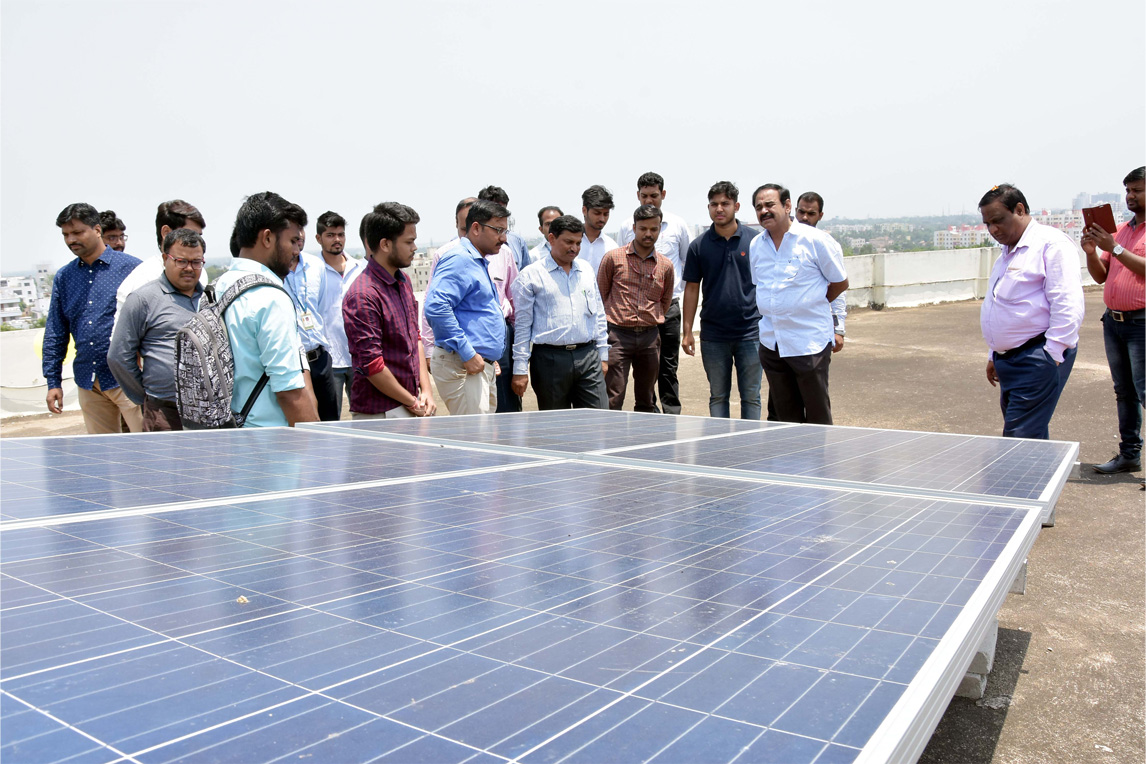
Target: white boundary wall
x,y
906,279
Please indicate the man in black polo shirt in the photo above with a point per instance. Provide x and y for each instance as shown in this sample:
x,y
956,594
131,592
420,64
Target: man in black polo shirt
x,y
729,318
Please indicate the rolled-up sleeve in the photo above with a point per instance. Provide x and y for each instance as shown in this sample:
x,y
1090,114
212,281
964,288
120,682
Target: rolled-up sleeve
x,y
280,349
125,347
362,317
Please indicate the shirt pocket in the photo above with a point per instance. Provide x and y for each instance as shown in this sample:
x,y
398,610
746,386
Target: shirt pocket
x,y
1017,286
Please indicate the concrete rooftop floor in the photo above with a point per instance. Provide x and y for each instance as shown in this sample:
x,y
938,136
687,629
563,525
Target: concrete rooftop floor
x,y
1068,681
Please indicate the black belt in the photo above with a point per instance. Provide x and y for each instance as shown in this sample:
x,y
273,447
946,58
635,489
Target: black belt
x,y
1126,315
581,346
633,329
1031,343
314,355
488,361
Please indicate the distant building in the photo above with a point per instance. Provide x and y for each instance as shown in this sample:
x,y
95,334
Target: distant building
x,y
23,287
963,236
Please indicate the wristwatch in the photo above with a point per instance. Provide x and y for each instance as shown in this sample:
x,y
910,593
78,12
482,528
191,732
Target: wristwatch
x,y
840,332
1118,250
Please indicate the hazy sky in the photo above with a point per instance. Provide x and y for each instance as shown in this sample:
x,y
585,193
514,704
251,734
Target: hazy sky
x,y
885,108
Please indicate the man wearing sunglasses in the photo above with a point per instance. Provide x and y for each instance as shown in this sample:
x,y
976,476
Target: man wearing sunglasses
x,y
465,314
148,322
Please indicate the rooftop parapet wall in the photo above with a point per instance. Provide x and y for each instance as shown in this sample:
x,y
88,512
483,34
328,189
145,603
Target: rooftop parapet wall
x,y
906,279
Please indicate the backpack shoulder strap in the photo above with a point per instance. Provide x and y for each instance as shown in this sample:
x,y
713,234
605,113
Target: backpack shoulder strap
x,y
244,284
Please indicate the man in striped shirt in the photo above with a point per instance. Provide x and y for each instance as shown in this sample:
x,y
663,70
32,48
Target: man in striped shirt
x,y
636,285
1120,268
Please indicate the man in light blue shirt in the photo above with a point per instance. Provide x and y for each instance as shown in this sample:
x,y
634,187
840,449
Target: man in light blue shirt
x,y
463,309
316,297
797,271
558,310
262,324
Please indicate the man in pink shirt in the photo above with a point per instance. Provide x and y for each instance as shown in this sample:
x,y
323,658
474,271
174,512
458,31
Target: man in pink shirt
x,y
1120,268
1031,314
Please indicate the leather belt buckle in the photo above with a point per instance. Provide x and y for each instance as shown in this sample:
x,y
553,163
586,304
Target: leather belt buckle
x,y
313,355
570,347
1118,316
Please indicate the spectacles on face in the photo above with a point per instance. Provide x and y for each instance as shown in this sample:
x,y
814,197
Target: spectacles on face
x,y
181,263
495,229
121,238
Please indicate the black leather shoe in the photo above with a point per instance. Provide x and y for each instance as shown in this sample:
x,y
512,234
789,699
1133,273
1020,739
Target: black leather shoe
x,y
1118,464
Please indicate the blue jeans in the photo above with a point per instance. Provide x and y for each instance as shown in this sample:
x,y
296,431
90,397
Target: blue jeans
x,y
1125,347
1030,384
718,358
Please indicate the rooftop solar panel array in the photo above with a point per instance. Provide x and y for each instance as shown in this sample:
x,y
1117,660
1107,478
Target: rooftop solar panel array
x,y
421,601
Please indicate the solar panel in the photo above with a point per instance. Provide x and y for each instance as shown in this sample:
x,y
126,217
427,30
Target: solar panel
x,y
564,432
525,610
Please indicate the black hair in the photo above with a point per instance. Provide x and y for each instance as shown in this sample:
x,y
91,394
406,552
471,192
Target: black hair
x,y
785,195
483,211
1010,196
463,204
494,194
81,211
725,187
234,242
812,196
265,211
560,225
109,222
1135,176
647,212
175,214
184,236
387,221
650,179
329,220
597,198
541,213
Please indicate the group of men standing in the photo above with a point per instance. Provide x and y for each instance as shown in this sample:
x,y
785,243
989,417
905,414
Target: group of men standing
x,y
574,315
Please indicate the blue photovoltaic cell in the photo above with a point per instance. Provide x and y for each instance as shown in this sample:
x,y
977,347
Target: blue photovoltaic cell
x,y
573,431
1004,467
52,476
571,611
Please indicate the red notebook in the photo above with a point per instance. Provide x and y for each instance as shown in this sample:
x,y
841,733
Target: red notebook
x,y
1102,216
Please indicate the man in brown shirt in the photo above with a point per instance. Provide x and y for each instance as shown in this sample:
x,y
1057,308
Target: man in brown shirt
x,y
636,286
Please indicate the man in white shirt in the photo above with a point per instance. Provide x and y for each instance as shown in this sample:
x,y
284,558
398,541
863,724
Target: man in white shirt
x,y
596,204
170,216
810,211
797,271
330,233
545,216
673,244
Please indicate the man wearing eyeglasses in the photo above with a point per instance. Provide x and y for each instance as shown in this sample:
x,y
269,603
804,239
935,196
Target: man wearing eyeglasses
x,y
464,311
147,325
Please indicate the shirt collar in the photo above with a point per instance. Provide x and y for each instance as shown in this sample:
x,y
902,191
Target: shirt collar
x,y
470,249
382,274
107,256
1023,241
166,285
735,235
631,248
552,265
247,265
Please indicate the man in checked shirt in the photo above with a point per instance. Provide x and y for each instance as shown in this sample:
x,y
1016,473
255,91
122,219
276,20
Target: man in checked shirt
x,y
391,379
636,285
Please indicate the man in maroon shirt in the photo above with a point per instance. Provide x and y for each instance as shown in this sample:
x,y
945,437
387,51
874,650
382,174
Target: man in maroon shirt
x,y
391,378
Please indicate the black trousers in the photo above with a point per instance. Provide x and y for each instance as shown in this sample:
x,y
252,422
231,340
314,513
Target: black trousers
x,y
507,400
322,378
667,384
798,385
565,379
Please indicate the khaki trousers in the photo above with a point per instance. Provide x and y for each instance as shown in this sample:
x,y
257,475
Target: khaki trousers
x,y
102,409
461,392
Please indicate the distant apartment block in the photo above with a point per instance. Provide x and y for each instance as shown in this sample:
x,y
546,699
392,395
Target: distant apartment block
x,y
963,236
